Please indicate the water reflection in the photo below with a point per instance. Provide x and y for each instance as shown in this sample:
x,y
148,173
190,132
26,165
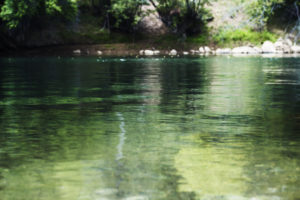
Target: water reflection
x,y
209,128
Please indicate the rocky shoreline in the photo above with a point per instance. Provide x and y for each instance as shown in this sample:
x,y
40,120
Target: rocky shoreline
x,y
281,48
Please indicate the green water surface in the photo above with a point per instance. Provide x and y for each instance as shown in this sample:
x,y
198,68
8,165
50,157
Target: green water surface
x,y
85,128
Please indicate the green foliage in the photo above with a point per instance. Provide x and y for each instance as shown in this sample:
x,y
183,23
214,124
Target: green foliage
x,y
262,10
201,39
126,13
242,36
95,37
16,12
183,16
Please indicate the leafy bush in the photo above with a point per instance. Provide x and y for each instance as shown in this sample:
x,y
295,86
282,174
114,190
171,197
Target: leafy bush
x,y
183,16
262,10
242,36
22,12
125,13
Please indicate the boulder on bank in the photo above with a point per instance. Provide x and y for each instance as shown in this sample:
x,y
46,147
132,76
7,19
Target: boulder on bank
x,y
149,53
268,47
156,52
283,46
99,53
245,50
295,49
207,49
151,23
193,51
223,51
173,52
77,51
201,50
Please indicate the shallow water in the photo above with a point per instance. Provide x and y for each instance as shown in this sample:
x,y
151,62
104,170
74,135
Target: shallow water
x,y
135,129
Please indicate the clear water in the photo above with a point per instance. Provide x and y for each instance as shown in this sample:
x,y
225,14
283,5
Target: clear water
x,y
141,129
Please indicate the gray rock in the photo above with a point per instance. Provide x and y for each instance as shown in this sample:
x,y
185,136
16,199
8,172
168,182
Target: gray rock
x,y
268,47
150,22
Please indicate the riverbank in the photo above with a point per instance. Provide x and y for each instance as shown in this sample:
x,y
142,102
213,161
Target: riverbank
x,y
280,48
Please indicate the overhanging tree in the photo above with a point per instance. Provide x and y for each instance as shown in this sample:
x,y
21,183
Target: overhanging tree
x,y
183,16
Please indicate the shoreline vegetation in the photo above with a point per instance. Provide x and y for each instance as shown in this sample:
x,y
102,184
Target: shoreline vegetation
x,y
149,28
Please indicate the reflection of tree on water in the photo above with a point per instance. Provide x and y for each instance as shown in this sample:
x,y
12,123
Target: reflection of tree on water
x,y
244,135
76,149
122,137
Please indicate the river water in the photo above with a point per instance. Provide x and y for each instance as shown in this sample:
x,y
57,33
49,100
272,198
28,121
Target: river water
x,y
85,128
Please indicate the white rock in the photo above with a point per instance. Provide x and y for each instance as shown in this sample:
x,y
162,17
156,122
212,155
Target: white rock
x,y
268,47
77,51
141,52
207,49
223,51
136,198
257,49
282,46
106,191
288,42
185,53
245,50
99,53
149,52
173,52
295,49
201,50
156,52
